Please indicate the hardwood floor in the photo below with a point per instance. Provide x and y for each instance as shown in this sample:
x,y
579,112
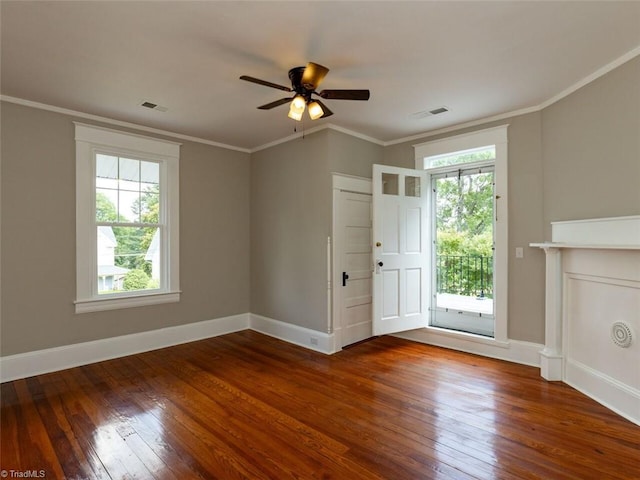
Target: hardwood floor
x,y
247,406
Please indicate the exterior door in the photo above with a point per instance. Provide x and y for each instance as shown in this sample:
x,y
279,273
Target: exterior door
x,y
401,249
463,245
353,275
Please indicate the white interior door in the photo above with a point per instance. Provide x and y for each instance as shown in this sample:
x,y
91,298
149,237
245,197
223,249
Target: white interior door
x,y
401,249
353,275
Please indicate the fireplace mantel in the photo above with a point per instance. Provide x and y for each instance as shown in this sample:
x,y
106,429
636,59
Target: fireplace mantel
x,y
592,295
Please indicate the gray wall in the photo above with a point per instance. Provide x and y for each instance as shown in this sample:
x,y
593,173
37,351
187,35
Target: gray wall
x,y
38,238
269,214
291,217
591,149
352,156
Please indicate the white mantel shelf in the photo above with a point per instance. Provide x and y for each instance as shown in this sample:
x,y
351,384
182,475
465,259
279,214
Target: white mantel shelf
x,y
545,245
592,286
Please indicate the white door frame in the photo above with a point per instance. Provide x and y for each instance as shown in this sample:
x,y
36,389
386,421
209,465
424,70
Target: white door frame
x,y
490,136
349,183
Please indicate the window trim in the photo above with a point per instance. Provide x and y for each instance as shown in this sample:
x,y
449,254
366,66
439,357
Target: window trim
x,y
491,136
89,141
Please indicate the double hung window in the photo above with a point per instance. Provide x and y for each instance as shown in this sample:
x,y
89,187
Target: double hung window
x,y
126,220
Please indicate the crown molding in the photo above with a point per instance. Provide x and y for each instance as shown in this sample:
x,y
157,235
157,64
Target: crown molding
x,y
534,108
119,123
592,77
326,126
289,138
460,126
427,134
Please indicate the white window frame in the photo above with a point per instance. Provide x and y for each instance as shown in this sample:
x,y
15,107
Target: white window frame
x,y
492,136
89,141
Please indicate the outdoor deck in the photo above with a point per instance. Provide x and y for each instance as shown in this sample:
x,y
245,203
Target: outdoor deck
x,y
466,303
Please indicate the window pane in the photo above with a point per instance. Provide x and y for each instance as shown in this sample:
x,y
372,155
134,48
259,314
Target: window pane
x,y
106,201
149,172
129,170
128,259
102,182
463,156
390,183
129,186
411,186
106,171
106,166
128,206
150,207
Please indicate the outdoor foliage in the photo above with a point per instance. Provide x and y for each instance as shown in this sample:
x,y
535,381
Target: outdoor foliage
x,y
132,242
465,234
135,280
148,208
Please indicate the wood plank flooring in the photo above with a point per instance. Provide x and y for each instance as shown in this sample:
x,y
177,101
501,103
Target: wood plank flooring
x,y
247,406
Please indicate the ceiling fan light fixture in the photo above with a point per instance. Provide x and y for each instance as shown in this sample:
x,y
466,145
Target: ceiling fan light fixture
x,y
298,103
304,82
315,110
297,116
297,108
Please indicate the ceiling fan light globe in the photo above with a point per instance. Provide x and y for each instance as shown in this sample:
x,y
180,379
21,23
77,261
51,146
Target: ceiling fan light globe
x,y
315,110
298,103
295,115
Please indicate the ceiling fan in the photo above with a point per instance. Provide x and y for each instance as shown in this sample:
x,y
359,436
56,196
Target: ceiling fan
x,y
304,81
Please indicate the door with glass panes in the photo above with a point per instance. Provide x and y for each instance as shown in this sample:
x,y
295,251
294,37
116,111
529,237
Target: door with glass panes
x,y
401,250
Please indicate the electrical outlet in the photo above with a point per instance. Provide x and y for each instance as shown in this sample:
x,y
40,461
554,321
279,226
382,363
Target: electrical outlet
x,y
314,341
519,252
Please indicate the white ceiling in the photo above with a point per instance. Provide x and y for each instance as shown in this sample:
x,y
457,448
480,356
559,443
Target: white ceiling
x,y
479,59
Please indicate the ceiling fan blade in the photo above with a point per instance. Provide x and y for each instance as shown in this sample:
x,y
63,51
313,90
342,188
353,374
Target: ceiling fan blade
x,y
277,103
345,94
265,83
325,109
313,75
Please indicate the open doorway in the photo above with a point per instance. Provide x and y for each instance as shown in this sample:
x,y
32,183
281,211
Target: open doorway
x,y
463,247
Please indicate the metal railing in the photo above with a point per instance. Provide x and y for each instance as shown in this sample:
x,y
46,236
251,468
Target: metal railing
x,y
468,275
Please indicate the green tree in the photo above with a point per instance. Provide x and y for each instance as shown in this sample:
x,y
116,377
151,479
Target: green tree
x,y
465,203
105,209
129,252
464,243
147,208
135,280
132,242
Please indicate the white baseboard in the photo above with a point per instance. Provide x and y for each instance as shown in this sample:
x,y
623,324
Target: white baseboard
x,y
525,353
619,397
38,362
24,365
613,395
304,337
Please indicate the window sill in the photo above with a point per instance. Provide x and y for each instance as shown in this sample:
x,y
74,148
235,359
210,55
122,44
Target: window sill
x,y
111,303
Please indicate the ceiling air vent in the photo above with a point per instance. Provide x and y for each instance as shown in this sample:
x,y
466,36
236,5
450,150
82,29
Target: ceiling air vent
x,y
438,111
430,113
153,106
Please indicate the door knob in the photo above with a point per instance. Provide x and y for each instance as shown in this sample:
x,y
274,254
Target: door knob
x,y
345,277
380,264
